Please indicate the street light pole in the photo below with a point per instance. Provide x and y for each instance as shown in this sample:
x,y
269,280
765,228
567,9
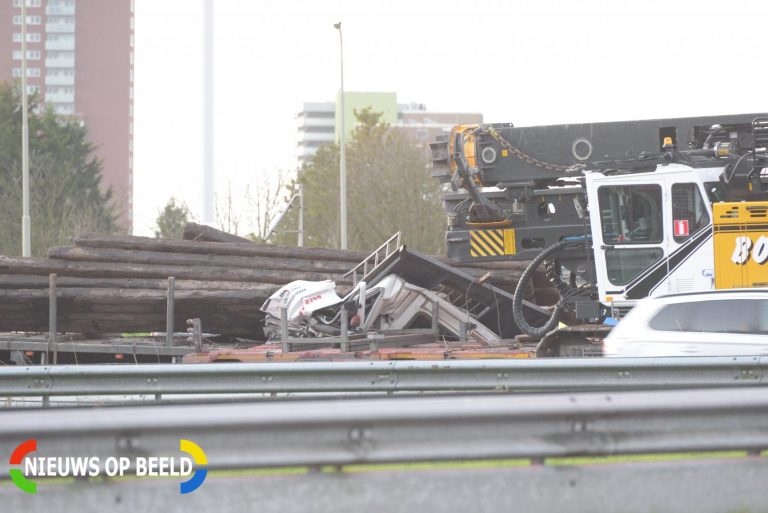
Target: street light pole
x,y
342,149
300,192
26,238
208,114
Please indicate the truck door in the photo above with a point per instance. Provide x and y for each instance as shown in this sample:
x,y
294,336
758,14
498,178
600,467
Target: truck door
x,y
631,237
689,243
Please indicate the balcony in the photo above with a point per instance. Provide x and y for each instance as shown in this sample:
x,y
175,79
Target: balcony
x,y
59,80
66,44
310,121
58,27
63,61
60,10
59,97
314,137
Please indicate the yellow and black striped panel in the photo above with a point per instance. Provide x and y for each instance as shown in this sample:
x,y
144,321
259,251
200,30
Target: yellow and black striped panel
x,y
491,243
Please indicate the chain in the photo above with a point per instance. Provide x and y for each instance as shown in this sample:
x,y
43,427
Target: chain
x,y
527,158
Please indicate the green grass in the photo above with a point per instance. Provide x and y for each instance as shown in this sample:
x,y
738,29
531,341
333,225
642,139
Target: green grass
x,y
435,465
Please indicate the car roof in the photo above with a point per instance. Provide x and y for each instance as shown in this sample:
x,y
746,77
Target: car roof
x,y
712,294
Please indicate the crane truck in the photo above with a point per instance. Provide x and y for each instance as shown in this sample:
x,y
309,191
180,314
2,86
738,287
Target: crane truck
x,y
615,211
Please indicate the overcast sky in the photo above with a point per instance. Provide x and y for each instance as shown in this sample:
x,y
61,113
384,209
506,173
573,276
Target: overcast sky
x,y
532,62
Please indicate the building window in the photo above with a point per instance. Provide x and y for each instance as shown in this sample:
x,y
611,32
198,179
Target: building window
x,y
33,89
30,3
31,20
32,55
31,72
32,37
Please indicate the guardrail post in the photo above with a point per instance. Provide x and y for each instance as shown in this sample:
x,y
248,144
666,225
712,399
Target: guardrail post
x,y
361,311
344,331
169,313
374,344
435,318
52,319
196,329
286,346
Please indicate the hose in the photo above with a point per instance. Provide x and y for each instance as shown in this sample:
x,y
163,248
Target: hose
x,y
517,298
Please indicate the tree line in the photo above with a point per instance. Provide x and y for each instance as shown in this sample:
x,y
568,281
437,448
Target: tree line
x,y
389,188
64,177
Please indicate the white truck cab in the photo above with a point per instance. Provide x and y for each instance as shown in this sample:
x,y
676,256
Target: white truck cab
x,y
652,231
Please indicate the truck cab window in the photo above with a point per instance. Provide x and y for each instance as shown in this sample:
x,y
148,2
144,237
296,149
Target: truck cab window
x,y
631,214
689,213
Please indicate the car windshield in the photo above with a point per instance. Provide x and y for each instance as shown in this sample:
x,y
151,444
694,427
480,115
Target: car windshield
x,y
748,316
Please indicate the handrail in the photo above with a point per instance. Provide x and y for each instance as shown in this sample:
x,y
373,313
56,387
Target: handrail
x,y
379,255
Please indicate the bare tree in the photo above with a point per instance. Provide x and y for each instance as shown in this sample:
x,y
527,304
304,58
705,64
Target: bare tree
x,y
228,212
265,201
254,208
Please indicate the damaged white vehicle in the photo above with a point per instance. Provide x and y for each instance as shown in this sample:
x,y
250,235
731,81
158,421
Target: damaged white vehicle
x,y
313,309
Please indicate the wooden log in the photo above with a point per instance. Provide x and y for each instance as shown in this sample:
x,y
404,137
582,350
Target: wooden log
x,y
20,265
128,296
103,323
216,248
201,232
39,281
99,311
86,254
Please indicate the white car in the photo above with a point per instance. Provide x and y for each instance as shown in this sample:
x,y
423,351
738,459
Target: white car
x,y
714,323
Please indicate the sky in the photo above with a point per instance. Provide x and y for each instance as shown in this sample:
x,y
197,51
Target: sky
x,y
526,62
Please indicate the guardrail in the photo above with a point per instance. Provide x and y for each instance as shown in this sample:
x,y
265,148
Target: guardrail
x,y
313,434
389,376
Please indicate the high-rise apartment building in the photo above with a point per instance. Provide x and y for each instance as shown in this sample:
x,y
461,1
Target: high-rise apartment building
x,y
318,120
80,62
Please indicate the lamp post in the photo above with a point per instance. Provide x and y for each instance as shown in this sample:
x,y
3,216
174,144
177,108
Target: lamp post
x,y
208,116
342,149
26,238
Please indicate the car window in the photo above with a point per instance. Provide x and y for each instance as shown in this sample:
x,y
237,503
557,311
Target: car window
x,y
747,316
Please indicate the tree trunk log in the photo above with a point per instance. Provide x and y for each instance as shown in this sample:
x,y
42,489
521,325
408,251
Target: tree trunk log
x,y
201,232
85,254
31,281
217,248
20,265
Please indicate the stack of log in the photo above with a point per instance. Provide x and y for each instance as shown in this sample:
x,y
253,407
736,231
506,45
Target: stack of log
x,y
114,284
